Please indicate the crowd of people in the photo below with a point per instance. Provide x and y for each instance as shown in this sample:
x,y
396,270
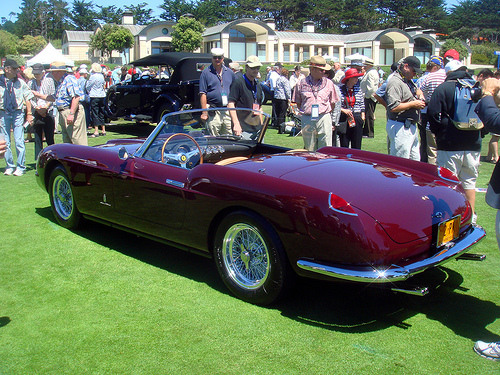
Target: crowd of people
x,y
39,101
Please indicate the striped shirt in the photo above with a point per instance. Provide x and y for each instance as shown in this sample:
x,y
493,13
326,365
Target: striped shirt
x,y
430,83
47,87
359,98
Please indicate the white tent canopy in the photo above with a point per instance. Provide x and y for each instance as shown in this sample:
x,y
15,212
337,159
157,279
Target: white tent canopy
x,y
48,55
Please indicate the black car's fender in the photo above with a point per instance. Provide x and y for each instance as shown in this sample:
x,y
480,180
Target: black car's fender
x,y
164,104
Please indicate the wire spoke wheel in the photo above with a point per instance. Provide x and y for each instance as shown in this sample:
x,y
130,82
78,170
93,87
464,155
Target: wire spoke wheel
x,y
246,256
250,258
63,197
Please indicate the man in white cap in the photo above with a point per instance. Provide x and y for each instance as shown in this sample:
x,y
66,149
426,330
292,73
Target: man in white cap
x,y
369,85
246,92
236,68
215,83
315,96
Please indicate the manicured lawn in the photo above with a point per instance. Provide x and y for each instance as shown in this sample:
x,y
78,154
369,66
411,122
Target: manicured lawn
x,y
101,301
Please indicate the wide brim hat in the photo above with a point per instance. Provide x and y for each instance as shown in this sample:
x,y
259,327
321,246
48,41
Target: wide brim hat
x,y
319,62
351,73
57,66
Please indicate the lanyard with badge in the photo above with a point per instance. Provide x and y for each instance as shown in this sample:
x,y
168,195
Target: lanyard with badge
x,y
253,89
315,106
223,93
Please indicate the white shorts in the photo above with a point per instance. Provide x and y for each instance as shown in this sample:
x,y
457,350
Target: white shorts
x,y
465,164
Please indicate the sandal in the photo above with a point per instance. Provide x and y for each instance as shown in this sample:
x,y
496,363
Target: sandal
x,y
103,134
95,135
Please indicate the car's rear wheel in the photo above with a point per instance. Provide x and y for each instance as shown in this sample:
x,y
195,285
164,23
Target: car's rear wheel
x,y
250,258
62,199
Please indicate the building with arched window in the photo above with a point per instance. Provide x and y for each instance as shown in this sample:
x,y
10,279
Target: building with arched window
x,y
244,37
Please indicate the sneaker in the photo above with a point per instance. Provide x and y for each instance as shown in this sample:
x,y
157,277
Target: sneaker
x,y
489,350
474,218
18,172
8,172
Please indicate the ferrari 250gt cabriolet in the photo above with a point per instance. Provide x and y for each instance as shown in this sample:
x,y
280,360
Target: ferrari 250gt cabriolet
x,y
266,214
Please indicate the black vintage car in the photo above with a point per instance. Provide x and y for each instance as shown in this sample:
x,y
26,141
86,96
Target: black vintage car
x,y
146,98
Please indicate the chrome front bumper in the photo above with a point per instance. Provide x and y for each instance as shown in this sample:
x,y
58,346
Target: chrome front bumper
x,y
395,273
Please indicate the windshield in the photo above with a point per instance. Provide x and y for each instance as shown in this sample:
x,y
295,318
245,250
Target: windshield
x,y
181,136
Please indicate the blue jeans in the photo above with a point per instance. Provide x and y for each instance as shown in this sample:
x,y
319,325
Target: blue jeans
x,y
14,121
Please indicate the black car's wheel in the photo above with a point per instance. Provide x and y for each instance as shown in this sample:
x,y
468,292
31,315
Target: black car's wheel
x,y
250,258
62,199
110,103
162,111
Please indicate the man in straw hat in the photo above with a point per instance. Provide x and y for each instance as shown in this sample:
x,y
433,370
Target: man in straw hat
x,y
246,92
67,101
315,96
15,97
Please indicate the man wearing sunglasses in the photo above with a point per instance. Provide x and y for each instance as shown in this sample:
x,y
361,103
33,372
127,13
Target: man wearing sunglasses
x,y
215,82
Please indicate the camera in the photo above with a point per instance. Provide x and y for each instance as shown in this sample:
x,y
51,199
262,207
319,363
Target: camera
x,y
476,93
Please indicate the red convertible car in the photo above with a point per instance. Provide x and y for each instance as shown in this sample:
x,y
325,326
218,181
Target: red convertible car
x,y
266,213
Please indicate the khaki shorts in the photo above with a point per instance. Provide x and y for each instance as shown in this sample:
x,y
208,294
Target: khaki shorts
x,y
465,164
219,123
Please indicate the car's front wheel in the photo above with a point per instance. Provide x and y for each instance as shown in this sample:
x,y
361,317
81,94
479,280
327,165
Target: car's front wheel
x,y
250,258
62,199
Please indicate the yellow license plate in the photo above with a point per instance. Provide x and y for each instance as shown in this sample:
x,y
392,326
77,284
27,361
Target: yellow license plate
x,y
448,230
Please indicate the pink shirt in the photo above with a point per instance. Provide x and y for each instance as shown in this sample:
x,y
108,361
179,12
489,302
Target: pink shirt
x,y
321,92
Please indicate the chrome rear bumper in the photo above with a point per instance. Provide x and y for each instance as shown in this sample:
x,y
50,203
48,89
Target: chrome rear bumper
x,y
394,273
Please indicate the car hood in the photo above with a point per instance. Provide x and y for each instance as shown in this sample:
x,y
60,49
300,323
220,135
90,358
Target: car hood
x,y
407,202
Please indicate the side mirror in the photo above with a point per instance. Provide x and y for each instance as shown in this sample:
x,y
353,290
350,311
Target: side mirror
x,y
122,153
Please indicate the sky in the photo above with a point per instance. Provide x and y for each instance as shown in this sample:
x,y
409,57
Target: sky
x,y
14,6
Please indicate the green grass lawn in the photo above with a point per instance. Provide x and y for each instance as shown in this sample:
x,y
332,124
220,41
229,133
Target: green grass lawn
x,y
101,301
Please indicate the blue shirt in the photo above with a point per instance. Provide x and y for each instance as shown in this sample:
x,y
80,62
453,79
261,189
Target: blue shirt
x,y
82,82
214,85
95,86
67,90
